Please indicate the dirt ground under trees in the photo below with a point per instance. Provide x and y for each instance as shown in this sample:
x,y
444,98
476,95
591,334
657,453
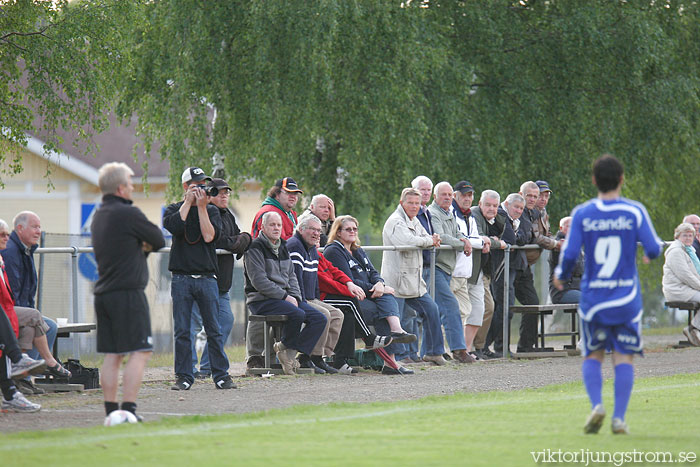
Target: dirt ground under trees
x,y
157,400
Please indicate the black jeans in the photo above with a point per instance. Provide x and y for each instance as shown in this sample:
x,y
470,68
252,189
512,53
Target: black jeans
x,y
527,295
495,334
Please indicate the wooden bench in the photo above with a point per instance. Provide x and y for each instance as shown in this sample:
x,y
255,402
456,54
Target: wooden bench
x,y
692,309
542,311
272,333
65,330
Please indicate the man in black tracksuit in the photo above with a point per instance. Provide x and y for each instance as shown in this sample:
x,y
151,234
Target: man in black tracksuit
x,y
232,239
122,237
195,225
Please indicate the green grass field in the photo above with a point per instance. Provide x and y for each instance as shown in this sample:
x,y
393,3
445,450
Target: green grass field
x,y
496,428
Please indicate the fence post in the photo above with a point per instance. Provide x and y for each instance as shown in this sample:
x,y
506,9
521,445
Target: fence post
x,y
40,280
433,255
74,298
506,305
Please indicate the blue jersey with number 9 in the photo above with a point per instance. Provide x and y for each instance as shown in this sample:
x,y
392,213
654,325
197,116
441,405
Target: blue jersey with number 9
x,y
609,231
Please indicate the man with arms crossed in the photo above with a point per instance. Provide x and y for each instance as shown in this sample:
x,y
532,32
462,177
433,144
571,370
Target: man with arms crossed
x,y
609,228
122,237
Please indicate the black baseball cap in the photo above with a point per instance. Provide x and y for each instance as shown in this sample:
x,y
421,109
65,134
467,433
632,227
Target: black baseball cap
x,y
464,187
220,183
289,185
544,186
194,174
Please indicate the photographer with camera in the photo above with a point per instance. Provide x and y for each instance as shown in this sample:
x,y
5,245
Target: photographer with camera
x,y
195,226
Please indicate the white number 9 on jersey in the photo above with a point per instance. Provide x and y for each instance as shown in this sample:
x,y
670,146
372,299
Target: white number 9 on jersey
x,y
607,253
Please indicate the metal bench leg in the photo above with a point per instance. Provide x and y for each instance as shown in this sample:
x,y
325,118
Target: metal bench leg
x,y
542,330
268,347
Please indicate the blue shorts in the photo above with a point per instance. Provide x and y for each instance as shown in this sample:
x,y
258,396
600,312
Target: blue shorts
x,y
625,338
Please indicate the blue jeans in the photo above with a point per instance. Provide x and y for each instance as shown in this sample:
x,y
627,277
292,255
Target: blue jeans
x,y
411,322
570,296
225,323
449,311
432,330
375,311
185,291
50,338
293,337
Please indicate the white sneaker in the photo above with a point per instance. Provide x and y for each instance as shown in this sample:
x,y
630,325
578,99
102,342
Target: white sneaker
x,y
595,420
19,403
619,427
28,365
346,369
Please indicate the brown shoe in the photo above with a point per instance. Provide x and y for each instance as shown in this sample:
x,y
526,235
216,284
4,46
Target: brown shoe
x,y
256,361
462,356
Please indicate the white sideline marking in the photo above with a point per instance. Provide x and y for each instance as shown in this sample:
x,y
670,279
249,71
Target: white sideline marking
x,y
214,426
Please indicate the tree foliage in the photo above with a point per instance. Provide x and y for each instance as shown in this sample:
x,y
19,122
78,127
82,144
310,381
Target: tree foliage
x,y
59,65
356,98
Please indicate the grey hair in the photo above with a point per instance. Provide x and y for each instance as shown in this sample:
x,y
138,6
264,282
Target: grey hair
x,y
489,194
304,221
421,179
265,217
112,175
317,198
515,197
4,226
22,218
530,185
440,185
406,192
564,220
683,227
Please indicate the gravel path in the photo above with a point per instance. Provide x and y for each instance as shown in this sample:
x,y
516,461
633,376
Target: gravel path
x,y
157,400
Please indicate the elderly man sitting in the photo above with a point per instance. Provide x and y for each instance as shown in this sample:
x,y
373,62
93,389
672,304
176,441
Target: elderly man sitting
x,y
271,288
402,270
302,250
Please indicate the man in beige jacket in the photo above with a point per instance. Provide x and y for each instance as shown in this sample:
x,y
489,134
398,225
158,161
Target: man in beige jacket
x,y
402,270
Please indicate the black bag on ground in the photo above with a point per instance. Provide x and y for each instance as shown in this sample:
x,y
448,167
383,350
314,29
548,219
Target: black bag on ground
x,y
88,377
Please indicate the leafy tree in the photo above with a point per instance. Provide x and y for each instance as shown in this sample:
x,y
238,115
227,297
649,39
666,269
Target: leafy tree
x,y
356,98
58,66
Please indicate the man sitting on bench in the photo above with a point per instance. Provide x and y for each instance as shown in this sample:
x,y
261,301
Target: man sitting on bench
x,y
271,288
571,293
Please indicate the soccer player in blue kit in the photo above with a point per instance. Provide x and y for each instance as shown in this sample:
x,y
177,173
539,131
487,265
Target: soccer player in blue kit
x,y
610,309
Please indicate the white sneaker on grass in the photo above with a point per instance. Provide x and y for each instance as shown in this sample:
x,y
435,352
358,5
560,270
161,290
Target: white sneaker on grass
x,y
619,427
19,403
595,420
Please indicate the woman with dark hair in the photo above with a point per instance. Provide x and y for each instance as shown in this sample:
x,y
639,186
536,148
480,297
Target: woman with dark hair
x,y
379,308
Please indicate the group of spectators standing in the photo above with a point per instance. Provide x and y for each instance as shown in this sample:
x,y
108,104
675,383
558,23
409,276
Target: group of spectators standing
x,y
339,293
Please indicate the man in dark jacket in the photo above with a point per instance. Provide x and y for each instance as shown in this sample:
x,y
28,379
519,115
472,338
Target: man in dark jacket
x,y
514,233
122,237
524,281
490,225
271,288
195,225
571,293
21,271
302,250
232,239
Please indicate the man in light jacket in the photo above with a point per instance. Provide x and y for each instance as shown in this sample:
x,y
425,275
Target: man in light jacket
x,y
445,225
402,270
